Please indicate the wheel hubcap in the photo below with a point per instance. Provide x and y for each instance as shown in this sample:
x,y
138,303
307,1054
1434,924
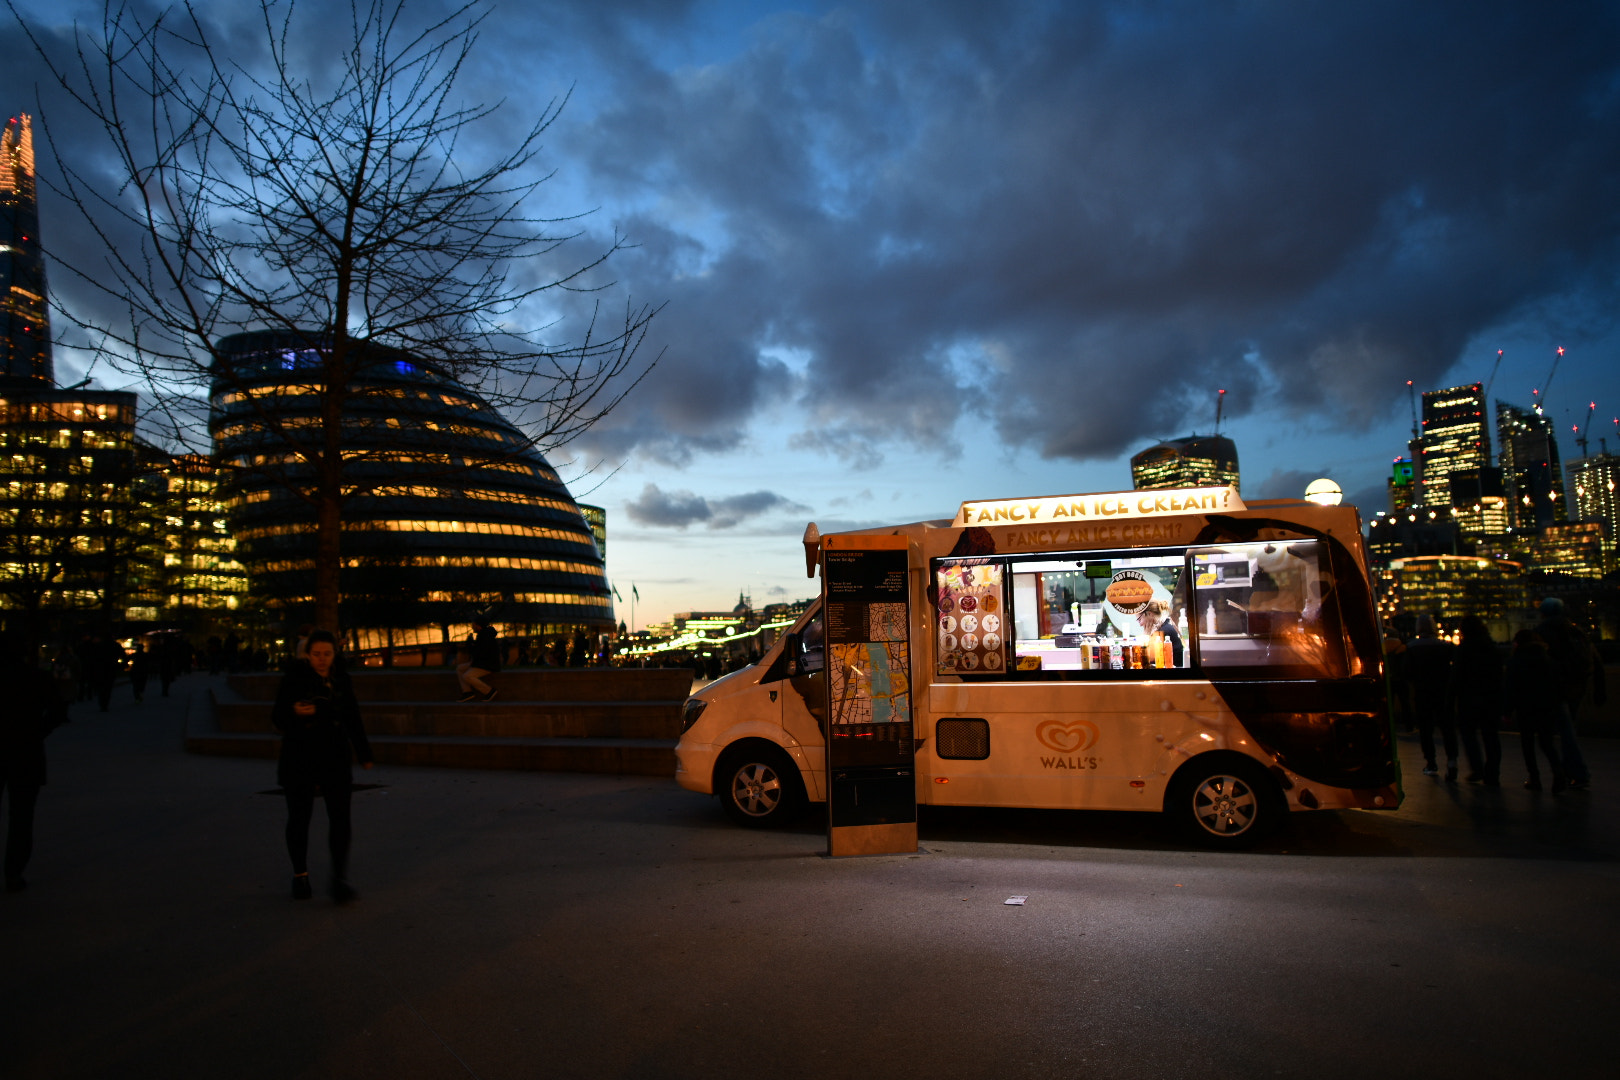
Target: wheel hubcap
x,y
756,789
1224,805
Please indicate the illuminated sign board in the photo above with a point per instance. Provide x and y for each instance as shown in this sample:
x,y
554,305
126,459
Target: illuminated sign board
x,y
1068,509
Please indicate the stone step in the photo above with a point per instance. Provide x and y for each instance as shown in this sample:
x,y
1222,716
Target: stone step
x,y
518,684
641,757
511,719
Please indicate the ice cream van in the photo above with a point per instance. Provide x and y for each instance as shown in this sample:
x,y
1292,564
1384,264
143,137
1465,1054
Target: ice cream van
x,y
1174,651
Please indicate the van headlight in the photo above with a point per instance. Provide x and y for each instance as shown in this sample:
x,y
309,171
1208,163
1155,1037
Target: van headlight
x,y
691,711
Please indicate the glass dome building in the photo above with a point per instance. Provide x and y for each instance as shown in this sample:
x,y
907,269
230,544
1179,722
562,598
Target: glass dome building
x,y
451,512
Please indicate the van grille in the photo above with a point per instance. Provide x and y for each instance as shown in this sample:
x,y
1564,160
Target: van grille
x,y
962,739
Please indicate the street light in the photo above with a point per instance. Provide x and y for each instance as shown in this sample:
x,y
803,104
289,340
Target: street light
x,y
1323,492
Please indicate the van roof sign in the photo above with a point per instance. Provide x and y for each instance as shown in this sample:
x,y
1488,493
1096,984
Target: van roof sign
x,y
1167,502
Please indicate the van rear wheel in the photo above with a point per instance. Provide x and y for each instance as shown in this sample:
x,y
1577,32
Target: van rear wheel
x,y
1227,803
759,786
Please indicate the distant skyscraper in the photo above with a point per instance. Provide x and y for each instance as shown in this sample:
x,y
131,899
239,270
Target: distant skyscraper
x,y
25,332
1596,481
1402,486
1532,477
1196,461
1455,437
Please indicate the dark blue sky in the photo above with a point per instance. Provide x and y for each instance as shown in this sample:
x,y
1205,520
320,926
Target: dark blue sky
x,y
915,253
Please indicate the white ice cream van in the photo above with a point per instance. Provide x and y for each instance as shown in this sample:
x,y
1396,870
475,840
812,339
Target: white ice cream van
x,y
1174,651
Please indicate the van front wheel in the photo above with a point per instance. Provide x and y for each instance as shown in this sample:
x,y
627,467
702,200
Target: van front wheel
x,y
1227,803
759,786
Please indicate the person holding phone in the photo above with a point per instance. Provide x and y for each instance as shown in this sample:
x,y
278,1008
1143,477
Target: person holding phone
x,y
321,733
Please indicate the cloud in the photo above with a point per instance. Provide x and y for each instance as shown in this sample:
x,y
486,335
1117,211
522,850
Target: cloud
x,y
1060,226
1075,222
680,509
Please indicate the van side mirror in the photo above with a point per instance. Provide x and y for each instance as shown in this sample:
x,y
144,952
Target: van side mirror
x,y
790,654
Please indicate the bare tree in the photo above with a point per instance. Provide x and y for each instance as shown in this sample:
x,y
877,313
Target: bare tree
x,y
338,207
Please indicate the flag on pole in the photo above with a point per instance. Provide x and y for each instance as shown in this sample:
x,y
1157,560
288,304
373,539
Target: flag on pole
x,y
616,595
633,591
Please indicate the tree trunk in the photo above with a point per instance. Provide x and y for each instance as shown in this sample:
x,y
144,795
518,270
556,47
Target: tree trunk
x,y
329,495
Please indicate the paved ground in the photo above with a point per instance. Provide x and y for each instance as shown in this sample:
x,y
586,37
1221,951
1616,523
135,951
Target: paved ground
x,y
551,925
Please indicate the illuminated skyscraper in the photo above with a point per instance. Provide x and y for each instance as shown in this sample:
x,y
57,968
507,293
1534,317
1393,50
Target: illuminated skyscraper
x,y
1196,461
1532,477
1402,486
1454,438
25,332
1596,481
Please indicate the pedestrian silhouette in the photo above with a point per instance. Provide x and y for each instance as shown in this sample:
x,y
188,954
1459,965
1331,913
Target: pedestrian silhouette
x,y
33,710
1574,664
1428,668
319,720
1532,694
1476,679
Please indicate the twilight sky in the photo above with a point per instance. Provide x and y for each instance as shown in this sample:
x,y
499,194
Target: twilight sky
x,y
915,253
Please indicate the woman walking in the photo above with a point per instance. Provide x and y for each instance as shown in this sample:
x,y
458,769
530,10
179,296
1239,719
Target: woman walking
x,y
319,720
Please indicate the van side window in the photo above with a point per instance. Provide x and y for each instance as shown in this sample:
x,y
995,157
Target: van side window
x,y
1267,610
1082,615
812,647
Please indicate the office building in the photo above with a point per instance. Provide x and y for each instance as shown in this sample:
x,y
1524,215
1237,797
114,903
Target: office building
x,y
1450,587
1575,548
1402,487
67,457
1595,481
1478,504
1454,438
1196,461
25,330
1532,477
454,514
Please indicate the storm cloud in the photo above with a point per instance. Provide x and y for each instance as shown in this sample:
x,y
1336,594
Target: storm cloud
x,y
680,509
1071,223
1061,226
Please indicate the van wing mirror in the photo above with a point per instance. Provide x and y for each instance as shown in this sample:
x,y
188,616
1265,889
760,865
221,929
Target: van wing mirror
x,y
790,654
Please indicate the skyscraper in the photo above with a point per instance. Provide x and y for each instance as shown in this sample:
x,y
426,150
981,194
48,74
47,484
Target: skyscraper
x,y
1532,477
1196,461
25,332
1454,438
1596,481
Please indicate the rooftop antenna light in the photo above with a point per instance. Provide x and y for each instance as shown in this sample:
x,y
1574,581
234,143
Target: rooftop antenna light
x,y
1220,401
1411,397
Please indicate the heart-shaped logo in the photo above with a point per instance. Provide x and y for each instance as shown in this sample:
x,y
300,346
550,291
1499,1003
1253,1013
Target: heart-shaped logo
x,y
1067,738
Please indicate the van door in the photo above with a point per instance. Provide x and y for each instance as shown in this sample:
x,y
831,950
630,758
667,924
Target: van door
x,y
797,679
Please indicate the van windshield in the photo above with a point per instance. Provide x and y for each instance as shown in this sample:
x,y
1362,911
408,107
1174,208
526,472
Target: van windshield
x,y
1268,610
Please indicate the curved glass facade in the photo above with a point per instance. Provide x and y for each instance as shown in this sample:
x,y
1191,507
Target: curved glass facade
x,y
452,512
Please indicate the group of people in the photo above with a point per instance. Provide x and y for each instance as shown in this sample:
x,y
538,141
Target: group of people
x,y
1469,691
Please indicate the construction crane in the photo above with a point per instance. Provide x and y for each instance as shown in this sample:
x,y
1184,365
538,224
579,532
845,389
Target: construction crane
x,y
1492,380
1541,395
1582,432
1411,397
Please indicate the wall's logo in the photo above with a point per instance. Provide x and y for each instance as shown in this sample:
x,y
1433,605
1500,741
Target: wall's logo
x,y
1067,737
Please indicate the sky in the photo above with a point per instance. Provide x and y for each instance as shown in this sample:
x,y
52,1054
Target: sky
x,y
910,254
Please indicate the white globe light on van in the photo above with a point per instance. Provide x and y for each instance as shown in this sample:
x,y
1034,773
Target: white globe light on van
x,y
1323,492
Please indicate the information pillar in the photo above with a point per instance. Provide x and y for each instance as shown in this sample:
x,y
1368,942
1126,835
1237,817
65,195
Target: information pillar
x,y
872,781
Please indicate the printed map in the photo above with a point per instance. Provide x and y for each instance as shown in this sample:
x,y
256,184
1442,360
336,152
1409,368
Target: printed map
x,y
870,683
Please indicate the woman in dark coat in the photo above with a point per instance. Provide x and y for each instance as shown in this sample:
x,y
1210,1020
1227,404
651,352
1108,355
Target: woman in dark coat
x,y
1476,681
319,720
